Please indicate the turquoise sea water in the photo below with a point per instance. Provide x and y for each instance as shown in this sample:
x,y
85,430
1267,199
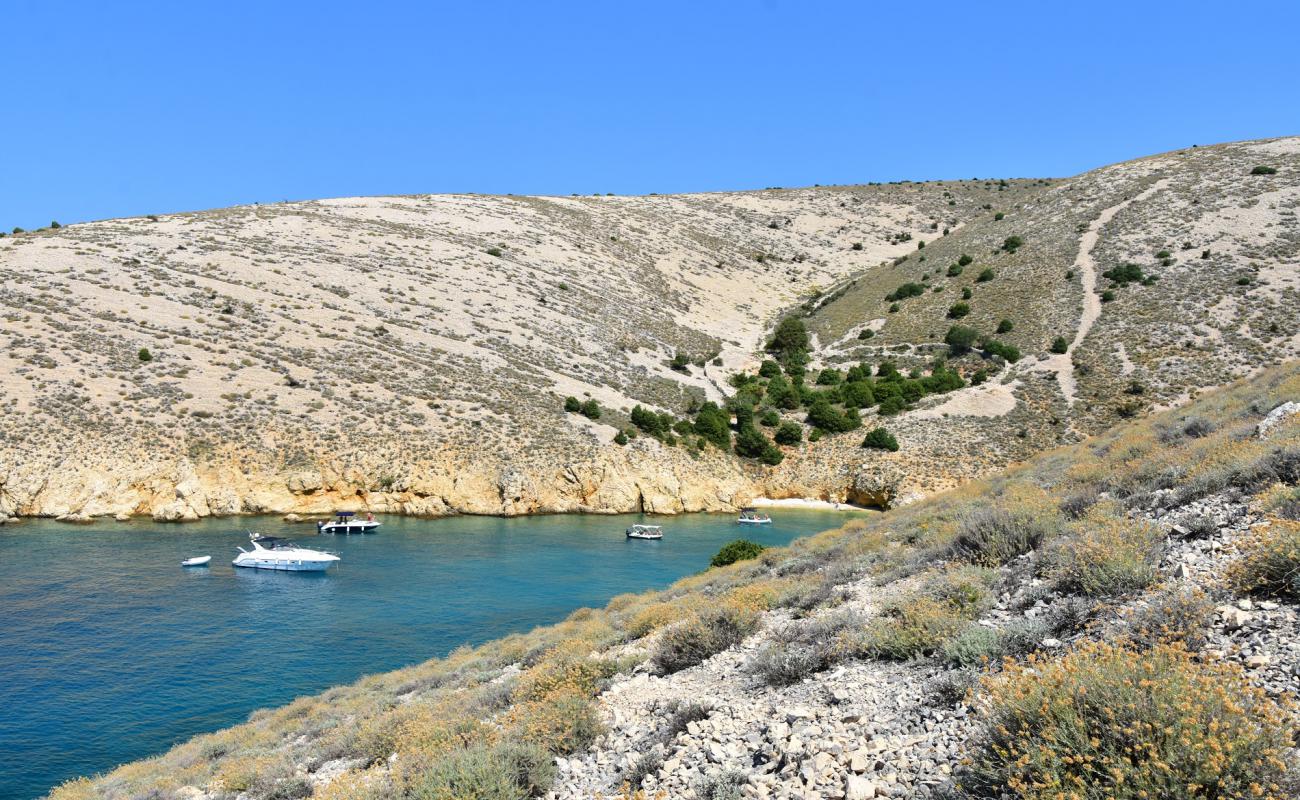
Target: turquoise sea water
x,y
110,651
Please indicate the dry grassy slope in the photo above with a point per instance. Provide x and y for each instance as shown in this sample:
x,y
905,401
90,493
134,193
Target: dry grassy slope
x,y
370,351
1196,327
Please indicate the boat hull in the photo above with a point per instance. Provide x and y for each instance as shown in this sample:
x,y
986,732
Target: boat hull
x,y
348,528
283,565
753,522
196,562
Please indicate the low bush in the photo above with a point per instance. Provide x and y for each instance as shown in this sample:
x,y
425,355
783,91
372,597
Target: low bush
x,y
789,433
737,550
915,627
590,409
1263,169
1175,614
705,635
727,785
1269,565
1059,345
880,439
509,771
992,536
1012,243
797,651
1107,721
1106,557
958,310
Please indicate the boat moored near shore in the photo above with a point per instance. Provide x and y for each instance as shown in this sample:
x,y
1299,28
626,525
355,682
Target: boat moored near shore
x,y
275,553
347,522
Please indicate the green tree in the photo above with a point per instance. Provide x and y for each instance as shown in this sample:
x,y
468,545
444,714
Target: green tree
x,y
791,337
960,338
713,425
620,438
572,404
590,409
858,394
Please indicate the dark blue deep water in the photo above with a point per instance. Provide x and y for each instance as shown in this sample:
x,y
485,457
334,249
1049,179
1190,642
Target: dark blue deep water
x,y
110,652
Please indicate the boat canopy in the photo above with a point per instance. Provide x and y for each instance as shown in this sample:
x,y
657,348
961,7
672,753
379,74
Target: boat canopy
x,y
749,510
345,514
271,541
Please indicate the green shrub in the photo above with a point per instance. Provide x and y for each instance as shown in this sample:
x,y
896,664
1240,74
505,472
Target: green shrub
x,y
1009,353
572,404
866,333
726,785
964,260
998,217
985,276
770,418
737,550
858,394
705,635
905,291
789,433
144,355
1107,296
1006,326
892,405
954,270
829,377
1263,169
495,252
1269,565
1059,345
1012,243
978,644
1124,274
590,409
1107,721
881,439
958,310
620,438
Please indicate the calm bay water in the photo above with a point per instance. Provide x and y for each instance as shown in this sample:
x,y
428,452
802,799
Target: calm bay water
x,y
110,652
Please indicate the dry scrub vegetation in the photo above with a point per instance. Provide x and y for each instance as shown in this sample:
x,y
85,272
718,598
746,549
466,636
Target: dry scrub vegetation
x,y
1106,690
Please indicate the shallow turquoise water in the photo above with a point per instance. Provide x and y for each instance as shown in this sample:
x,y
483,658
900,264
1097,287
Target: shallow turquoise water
x,y
110,652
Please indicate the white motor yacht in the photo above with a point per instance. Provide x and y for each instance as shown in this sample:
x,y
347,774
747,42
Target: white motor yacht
x,y
645,532
272,552
347,522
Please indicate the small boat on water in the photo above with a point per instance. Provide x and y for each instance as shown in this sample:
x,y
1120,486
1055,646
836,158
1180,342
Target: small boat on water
x,y
197,561
645,532
273,552
347,522
751,516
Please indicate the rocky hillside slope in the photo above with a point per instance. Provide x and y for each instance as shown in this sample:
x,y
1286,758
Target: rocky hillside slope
x,y
1117,618
412,354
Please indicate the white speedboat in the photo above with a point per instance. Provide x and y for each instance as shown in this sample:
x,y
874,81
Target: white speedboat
x,y
347,522
750,516
645,532
272,552
197,561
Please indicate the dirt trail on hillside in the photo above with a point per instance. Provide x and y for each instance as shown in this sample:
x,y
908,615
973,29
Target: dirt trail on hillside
x,y
1086,266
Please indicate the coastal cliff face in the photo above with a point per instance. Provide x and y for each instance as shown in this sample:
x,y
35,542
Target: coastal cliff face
x,y
412,354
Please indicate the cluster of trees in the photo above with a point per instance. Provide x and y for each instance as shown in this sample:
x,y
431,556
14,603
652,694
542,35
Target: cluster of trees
x,y
962,339
588,408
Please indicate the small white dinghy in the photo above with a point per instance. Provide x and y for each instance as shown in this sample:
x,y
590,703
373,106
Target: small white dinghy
x,y
645,532
197,561
752,516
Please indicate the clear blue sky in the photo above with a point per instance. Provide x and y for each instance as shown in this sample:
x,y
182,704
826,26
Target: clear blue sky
x,y
117,109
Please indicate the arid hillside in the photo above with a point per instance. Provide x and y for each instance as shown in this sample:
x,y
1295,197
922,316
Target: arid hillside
x,y
414,354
